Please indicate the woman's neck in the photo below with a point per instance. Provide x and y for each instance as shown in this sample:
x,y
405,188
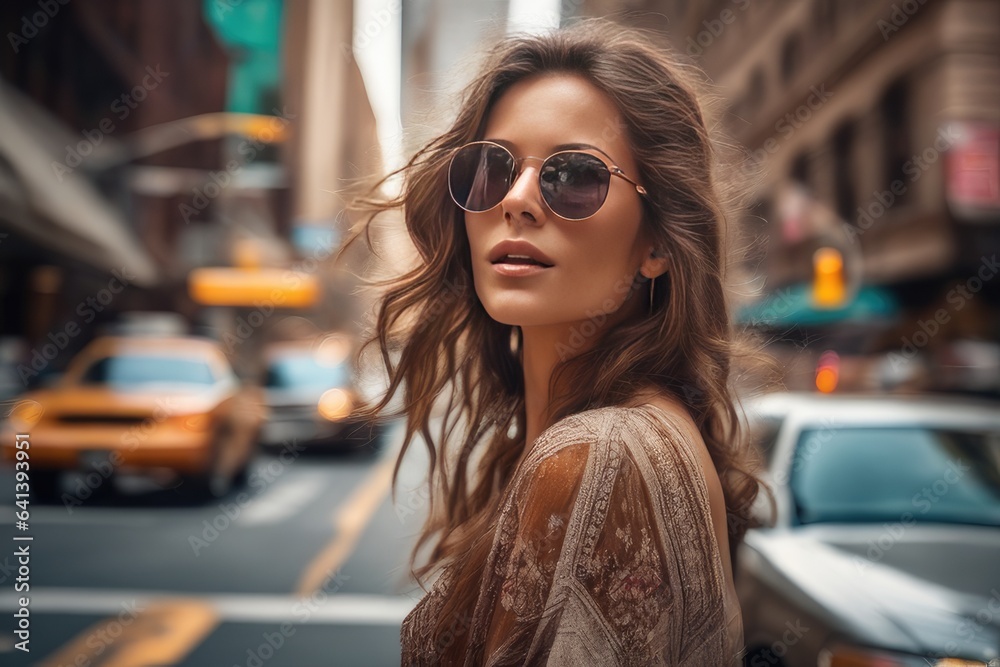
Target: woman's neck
x,y
539,356
544,347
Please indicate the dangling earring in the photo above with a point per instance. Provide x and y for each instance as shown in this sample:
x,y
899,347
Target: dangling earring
x,y
652,284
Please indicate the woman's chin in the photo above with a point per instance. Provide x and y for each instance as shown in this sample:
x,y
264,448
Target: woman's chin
x,y
520,316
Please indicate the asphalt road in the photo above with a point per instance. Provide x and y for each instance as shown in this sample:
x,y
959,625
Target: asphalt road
x,y
304,565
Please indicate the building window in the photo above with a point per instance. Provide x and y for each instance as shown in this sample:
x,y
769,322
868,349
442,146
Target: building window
x,y
791,55
895,123
843,185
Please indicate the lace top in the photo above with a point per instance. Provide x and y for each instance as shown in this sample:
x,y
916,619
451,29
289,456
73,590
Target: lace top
x,y
604,554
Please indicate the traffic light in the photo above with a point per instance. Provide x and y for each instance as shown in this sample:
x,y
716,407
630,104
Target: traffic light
x,y
828,372
828,287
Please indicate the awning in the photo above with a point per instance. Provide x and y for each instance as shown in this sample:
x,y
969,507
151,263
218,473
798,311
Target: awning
x,y
793,306
61,211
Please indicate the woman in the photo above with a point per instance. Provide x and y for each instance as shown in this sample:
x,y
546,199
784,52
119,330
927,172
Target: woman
x,y
569,304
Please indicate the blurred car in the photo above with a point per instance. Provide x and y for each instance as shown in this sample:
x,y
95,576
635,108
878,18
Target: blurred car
x,y
148,323
312,398
146,405
12,353
885,545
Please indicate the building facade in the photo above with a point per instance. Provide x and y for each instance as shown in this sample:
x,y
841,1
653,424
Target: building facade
x,y
871,127
128,103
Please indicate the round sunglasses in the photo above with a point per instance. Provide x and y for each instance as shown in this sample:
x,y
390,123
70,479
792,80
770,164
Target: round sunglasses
x,y
573,184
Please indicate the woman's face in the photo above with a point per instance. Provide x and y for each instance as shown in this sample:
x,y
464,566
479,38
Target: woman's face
x,y
593,261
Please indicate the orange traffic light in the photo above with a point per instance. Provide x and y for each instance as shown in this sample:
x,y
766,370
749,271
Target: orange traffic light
x,y
828,372
828,288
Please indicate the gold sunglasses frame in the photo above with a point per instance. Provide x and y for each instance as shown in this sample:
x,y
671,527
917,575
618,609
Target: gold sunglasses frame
x,y
613,170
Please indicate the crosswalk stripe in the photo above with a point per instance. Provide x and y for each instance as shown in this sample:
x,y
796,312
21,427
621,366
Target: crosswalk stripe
x,y
283,502
162,633
318,608
349,522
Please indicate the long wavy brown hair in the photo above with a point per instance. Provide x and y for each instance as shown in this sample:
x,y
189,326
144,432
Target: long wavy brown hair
x,y
453,355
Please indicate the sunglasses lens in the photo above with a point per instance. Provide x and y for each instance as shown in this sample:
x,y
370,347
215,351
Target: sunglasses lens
x,y
575,185
480,176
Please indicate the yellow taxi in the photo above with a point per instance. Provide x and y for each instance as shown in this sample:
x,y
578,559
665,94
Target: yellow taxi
x,y
154,405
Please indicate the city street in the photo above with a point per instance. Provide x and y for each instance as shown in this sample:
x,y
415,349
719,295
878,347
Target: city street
x,y
303,565
229,227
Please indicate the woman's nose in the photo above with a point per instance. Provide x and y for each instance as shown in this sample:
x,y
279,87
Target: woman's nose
x,y
523,202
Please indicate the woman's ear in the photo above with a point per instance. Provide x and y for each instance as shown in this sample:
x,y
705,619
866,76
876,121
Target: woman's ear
x,y
655,264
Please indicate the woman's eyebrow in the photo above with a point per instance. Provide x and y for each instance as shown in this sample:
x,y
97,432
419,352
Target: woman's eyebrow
x,y
573,147
576,146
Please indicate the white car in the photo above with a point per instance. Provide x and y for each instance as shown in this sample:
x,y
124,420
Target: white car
x,y
885,545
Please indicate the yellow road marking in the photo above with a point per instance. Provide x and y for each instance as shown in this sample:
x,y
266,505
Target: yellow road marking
x,y
349,521
159,634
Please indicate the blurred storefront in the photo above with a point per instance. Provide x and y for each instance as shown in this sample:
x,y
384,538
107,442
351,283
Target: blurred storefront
x,y
76,86
170,136
886,117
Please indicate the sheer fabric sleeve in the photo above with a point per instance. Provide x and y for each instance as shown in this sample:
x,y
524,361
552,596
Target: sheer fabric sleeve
x,y
608,556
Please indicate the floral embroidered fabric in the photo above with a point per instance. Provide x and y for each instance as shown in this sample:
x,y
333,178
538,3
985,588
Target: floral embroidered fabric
x,y
604,554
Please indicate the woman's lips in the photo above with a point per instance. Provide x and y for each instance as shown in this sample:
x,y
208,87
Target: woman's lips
x,y
518,270
516,264
517,250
